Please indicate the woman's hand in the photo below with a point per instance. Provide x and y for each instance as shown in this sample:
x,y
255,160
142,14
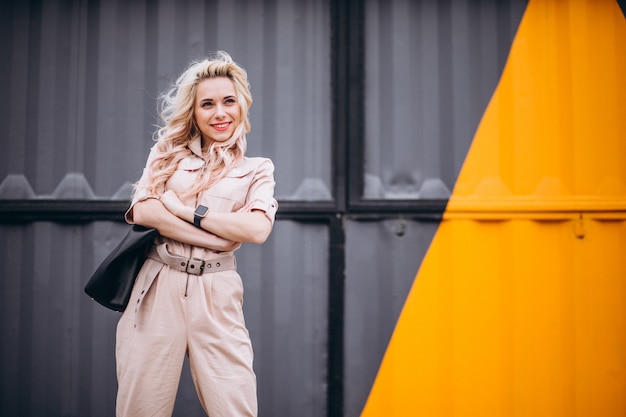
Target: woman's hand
x,y
172,202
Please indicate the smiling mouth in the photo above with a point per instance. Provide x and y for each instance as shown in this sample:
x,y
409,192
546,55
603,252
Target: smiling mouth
x,y
221,126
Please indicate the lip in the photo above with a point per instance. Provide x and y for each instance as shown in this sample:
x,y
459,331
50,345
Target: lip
x,y
221,127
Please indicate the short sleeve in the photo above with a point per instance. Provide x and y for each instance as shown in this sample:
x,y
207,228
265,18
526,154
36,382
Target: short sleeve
x,y
261,193
140,193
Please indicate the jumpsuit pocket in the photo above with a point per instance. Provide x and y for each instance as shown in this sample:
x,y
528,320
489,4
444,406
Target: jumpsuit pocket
x,y
229,193
227,299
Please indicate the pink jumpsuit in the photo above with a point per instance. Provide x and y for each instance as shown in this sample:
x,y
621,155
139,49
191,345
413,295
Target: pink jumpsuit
x,y
172,313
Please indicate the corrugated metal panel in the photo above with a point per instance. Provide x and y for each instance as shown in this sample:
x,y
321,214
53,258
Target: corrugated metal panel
x,y
431,68
518,307
82,77
80,83
57,346
381,261
286,284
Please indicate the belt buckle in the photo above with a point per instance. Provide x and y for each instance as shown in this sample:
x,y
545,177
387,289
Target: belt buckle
x,y
195,266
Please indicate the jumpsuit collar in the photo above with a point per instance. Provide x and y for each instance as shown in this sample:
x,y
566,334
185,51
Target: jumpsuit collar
x,y
195,145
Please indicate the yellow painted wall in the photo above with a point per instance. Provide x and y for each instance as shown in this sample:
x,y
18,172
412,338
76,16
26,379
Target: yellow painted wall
x,y
519,307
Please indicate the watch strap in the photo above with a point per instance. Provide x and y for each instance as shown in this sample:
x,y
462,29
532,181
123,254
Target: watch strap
x,y
196,220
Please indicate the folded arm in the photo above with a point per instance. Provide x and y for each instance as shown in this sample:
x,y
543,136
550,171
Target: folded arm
x,y
243,226
152,213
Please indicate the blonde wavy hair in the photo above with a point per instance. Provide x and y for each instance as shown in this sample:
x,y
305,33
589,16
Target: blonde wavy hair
x,y
179,128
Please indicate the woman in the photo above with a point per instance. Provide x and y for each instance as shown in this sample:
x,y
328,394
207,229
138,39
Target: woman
x,y
204,197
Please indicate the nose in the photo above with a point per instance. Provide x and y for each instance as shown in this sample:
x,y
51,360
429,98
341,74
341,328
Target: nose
x,y
219,110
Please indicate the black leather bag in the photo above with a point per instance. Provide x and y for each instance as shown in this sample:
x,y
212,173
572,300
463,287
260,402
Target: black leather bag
x,y
113,281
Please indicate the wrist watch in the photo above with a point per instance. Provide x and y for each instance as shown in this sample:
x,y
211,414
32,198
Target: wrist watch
x,y
199,214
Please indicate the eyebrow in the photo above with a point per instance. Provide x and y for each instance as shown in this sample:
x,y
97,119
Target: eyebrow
x,y
211,98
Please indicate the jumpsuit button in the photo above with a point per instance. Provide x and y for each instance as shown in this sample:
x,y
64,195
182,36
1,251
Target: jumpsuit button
x,y
217,264
182,264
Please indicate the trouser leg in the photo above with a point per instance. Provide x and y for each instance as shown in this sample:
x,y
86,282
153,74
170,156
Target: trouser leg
x,y
150,350
220,352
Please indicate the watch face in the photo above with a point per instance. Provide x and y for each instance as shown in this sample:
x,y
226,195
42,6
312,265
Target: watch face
x,y
201,210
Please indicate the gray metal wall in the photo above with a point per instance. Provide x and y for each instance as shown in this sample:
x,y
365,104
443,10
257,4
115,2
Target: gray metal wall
x,y
80,83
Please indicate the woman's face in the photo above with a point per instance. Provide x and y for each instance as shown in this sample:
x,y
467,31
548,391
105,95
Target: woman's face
x,y
216,110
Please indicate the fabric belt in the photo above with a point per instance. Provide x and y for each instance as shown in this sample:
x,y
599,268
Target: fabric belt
x,y
192,266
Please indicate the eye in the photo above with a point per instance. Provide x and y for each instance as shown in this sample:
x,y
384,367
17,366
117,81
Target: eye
x,y
230,100
206,104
